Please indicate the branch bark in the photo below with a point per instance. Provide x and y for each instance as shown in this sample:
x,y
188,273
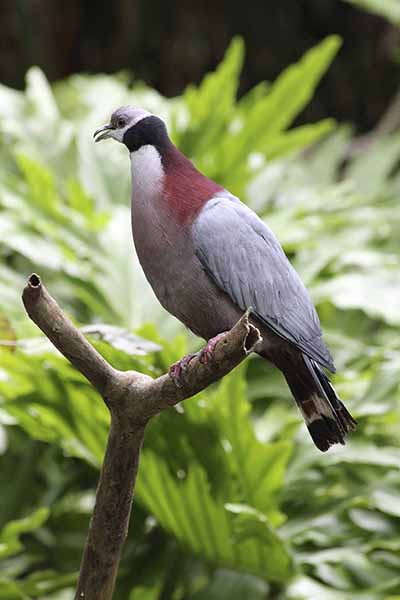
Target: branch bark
x,y
132,398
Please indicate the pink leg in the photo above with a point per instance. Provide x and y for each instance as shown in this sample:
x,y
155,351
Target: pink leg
x,y
207,352
177,370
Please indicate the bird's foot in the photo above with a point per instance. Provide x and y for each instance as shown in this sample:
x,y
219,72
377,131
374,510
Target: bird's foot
x,y
207,352
177,370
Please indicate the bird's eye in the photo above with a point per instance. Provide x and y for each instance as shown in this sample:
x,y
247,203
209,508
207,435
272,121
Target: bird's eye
x,y
121,122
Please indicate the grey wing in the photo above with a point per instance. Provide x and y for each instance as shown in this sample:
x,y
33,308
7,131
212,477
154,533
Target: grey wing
x,y
244,258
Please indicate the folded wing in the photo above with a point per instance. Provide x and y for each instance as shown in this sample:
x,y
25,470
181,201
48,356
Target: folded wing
x,y
244,258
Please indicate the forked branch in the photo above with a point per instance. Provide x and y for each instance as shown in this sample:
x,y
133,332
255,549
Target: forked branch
x,y
132,398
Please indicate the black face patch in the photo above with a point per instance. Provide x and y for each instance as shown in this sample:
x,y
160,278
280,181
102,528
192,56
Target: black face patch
x,y
148,131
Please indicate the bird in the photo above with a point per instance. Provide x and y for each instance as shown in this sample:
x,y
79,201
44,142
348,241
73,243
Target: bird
x,y
208,258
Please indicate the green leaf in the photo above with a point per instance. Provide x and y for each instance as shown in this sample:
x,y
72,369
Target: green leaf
x,y
283,102
259,468
298,138
210,105
121,339
9,590
41,185
60,408
387,501
370,171
145,593
250,524
228,585
305,588
363,289
187,509
40,95
10,543
45,582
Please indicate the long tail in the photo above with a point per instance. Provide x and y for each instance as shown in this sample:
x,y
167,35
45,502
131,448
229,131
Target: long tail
x,y
326,417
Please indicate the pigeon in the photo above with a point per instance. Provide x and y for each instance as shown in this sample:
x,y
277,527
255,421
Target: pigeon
x,y
208,258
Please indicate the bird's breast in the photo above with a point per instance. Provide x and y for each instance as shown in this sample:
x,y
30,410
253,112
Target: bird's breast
x,y
162,247
169,261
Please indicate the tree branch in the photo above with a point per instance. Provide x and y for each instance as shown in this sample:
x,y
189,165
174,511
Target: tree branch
x,y
45,312
132,398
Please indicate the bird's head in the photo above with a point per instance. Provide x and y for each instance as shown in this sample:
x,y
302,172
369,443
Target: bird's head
x,y
134,127
156,164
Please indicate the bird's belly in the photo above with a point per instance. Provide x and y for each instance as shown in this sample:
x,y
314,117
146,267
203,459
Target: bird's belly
x,y
185,290
183,287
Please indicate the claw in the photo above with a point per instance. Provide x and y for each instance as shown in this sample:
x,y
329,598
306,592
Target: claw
x,y
207,352
178,369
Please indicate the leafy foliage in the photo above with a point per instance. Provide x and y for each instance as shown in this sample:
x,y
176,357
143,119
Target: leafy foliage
x,y
225,144
229,522
232,499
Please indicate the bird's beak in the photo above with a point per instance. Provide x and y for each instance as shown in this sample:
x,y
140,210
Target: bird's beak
x,y
105,132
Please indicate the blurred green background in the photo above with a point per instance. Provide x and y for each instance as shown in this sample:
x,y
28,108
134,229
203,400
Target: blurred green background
x,y
233,501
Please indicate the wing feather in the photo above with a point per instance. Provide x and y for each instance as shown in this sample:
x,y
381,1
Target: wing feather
x,y
244,258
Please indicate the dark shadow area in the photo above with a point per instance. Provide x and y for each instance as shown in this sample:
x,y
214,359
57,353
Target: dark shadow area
x,y
170,44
